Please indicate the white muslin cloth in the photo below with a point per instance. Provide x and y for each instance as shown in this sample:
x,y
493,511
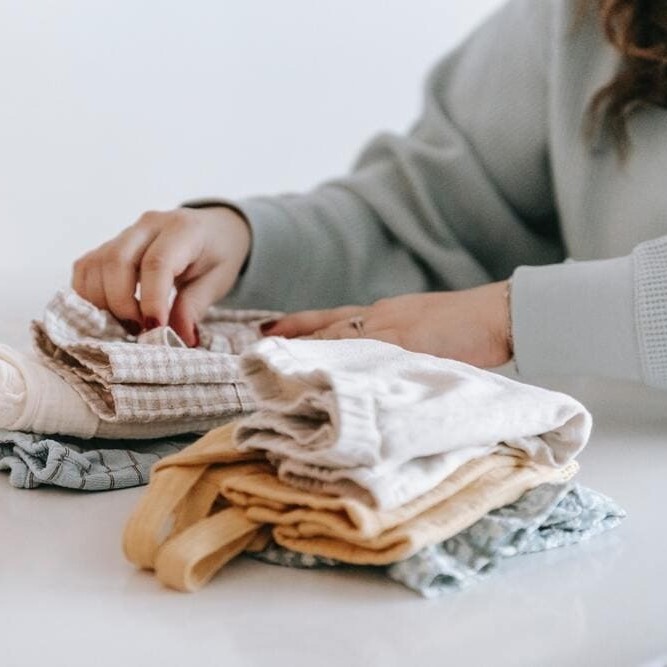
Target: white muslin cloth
x,y
33,398
371,420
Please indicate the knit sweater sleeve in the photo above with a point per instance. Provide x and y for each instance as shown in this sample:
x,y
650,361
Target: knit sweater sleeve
x,y
460,200
606,318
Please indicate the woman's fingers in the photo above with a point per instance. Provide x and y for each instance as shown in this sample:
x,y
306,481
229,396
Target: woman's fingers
x,y
306,322
344,329
108,275
92,286
120,274
166,257
193,299
197,251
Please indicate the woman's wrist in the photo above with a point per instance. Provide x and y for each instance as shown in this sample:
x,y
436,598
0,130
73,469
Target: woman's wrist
x,y
227,210
508,320
500,324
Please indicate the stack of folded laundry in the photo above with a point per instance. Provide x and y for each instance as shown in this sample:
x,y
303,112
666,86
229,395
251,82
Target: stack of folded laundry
x,y
342,453
90,379
363,453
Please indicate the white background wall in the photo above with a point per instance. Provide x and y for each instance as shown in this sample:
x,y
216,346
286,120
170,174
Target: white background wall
x,y
112,107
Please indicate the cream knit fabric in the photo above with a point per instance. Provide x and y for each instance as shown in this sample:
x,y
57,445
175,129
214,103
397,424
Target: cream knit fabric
x,y
366,419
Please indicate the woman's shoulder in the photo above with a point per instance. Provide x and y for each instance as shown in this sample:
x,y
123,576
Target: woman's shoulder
x,y
538,22
560,30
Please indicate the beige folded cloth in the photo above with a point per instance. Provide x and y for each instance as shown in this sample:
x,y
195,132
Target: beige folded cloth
x,y
209,502
304,523
33,398
364,418
154,377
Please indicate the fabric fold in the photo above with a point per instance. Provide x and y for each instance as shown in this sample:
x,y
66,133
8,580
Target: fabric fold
x,y
35,460
35,399
546,517
193,493
153,377
498,487
363,418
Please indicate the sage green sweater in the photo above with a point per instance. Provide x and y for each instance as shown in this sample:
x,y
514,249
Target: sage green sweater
x,y
495,180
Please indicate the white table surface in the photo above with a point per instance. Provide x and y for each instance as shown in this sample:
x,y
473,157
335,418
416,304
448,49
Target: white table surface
x,y
67,597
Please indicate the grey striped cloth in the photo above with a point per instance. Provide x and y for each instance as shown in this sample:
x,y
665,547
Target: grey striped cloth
x,y
90,465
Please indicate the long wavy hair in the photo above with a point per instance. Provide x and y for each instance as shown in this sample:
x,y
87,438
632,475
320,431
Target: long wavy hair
x,y
638,29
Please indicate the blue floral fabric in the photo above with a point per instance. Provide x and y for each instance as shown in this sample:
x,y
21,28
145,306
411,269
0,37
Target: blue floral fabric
x,y
549,516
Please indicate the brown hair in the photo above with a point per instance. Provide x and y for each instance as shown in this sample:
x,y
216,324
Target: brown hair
x,y
638,29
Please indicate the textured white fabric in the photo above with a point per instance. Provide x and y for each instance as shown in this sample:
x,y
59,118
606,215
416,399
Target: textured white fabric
x,y
364,418
34,398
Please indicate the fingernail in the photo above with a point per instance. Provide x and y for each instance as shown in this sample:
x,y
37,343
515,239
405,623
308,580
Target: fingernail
x,y
267,326
132,327
151,323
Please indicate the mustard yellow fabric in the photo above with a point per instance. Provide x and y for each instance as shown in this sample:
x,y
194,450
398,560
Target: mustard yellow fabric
x,y
210,502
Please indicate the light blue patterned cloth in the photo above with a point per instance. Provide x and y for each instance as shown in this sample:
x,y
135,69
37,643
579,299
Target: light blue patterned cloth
x,y
549,516
89,465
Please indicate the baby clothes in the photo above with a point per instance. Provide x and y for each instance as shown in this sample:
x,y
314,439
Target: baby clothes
x,y
218,502
482,485
366,419
34,398
546,517
88,465
154,377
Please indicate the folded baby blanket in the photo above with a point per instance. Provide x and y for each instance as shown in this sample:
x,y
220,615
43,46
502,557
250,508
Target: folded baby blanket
x,y
366,419
546,517
154,377
34,398
212,501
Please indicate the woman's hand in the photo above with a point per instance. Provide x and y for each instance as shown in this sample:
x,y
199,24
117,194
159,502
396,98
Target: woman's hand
x,y
197,251
469,325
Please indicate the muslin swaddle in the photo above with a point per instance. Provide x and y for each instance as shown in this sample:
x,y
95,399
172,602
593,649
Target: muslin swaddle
x,y
92,379
34,398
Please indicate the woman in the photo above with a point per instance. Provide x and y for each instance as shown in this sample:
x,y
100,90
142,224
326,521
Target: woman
x,y
541,139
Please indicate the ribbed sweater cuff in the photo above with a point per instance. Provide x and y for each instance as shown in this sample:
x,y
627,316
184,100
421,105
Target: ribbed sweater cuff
x,y
576,318
650,269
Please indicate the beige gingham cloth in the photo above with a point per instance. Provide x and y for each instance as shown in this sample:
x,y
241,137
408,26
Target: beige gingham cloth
x,y
152,377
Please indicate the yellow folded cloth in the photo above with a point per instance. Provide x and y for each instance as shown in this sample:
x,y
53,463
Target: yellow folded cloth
x,y
210,502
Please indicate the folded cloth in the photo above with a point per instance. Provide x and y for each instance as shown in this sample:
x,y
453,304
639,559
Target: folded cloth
x,y
318,525
192,491
371,420
88,465
34,398
154,377
546,517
